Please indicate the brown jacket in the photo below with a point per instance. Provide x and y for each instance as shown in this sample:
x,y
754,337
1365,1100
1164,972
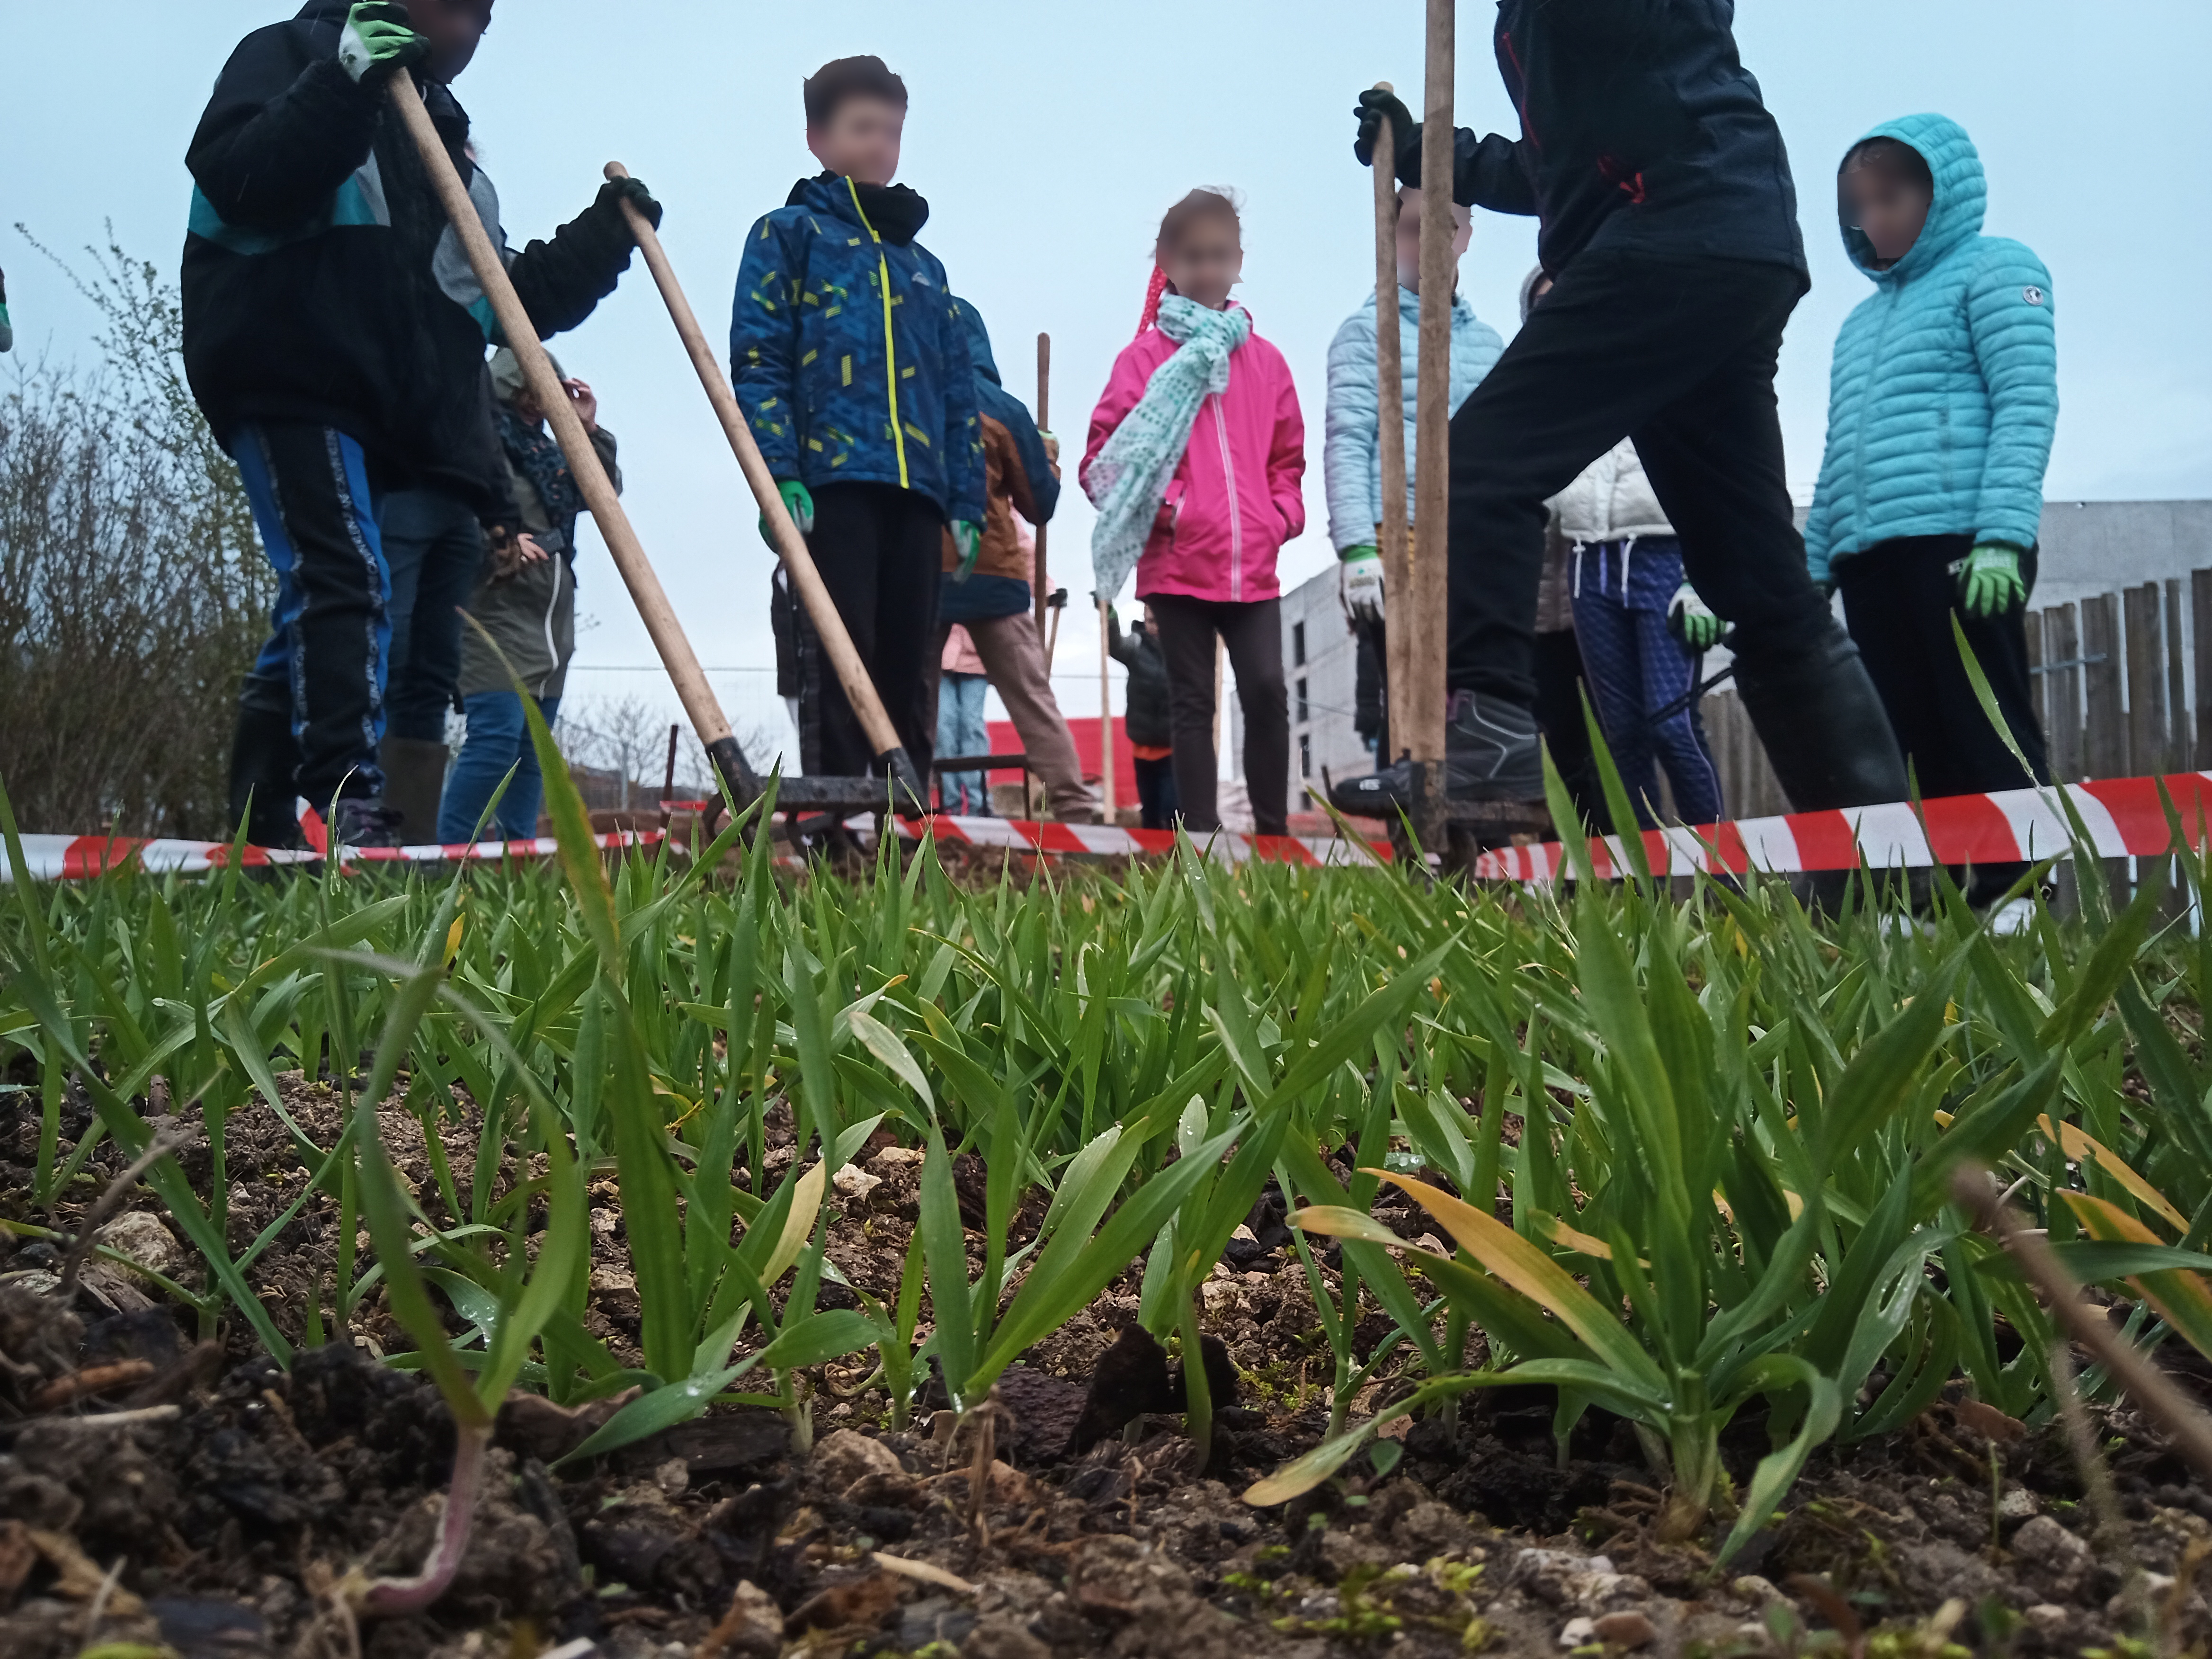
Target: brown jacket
x,y
1007,492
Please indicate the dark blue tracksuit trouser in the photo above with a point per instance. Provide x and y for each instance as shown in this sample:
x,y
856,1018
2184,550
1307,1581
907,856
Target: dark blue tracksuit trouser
x,y
325,665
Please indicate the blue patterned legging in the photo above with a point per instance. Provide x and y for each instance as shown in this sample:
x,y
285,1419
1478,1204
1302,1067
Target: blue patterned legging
x,y
1636,667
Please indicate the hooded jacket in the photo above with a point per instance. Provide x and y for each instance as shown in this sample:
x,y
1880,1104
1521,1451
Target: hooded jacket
x,y
1016,478
1641,130
1238,494
322,282
1351,456
847,351
1943,399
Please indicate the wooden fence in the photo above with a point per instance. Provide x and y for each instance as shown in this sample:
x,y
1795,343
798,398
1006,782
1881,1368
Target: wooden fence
x,y
2122,690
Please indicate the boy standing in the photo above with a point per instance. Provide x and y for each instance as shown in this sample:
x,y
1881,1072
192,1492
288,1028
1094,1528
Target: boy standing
x,y
850,359
334,336
1668,222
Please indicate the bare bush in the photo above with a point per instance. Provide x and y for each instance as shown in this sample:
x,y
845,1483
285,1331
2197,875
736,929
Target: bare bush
x,y
133,593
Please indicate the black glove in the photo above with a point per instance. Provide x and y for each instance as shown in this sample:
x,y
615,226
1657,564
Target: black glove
x,y
1375,104
615,192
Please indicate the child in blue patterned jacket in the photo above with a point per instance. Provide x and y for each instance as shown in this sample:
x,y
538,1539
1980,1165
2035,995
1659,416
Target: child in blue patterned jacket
x,y
850,357
1943,406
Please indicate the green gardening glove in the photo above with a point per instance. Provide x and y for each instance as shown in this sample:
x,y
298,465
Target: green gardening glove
x,y
798,503
1693,621
378,43
1359,582
1990,581
968,538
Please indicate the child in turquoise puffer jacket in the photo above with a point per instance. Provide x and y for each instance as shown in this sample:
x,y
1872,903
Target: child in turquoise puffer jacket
x,y
1943,406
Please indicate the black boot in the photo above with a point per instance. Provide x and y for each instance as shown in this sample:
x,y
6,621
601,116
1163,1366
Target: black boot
x,y
1824,726
263,758
1492,752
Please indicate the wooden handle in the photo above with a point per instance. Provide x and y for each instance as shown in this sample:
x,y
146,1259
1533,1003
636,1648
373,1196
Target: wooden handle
x,y
1106,710
790,546
1424,610
700,703
1398,680
1044,422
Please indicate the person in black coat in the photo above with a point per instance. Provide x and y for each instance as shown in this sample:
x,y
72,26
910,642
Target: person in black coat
x,y
1669,223
1146,723
335,339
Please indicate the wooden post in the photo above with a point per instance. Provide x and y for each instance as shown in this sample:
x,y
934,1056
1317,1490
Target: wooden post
x,y
1390,444
2105,733
699,704
2061,646
1110,791
2200,618
2179,740
2146,680
1044,424
1427,580
909,788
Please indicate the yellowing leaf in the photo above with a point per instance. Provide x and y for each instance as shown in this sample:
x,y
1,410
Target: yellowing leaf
x,y
2081,1147
2184,1300
453,938
1338,1222
798,1225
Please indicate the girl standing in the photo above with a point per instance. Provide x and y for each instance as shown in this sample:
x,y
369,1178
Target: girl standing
x,y
1195,461
1942,411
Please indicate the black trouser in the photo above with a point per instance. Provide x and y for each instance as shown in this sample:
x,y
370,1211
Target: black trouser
x,y
323,668
1899,600
1253,635
435,547
1560,687
1155,792
880,550
1679,354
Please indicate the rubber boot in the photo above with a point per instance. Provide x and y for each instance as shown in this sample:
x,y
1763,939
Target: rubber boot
x,y
414,784
1824,726
264,757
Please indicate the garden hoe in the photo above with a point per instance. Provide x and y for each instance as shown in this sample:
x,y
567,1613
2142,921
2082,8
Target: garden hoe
x,y
909,793
700,703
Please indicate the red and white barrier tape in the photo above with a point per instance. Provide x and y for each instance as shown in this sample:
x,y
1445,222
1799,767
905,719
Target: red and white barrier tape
x,y
2124,817
73,857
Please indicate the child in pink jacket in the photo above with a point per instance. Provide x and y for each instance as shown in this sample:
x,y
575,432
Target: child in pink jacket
x,y
1208,563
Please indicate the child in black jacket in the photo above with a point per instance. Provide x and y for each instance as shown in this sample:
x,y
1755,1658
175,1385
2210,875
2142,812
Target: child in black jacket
x,y
335,337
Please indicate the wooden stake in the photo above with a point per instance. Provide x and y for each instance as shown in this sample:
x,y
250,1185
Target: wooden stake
x,y
1043,577
1390,445
1106,710
699,704
1428,581
805,579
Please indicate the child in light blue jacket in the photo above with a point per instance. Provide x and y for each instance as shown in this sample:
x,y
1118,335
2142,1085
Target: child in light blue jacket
x,y
1942,405
1352,459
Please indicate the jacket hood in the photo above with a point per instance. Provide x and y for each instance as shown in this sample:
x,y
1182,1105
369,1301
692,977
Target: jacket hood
x,y
1529,290
979,343
1962,196
893,211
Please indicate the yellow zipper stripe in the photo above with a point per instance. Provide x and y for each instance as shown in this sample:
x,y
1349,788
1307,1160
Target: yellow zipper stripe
x,y
890,347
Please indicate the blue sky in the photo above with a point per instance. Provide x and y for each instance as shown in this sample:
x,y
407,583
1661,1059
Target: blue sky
x,y
1048,140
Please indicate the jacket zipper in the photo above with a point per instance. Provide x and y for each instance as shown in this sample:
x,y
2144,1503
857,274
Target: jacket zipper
x,y
1236,520
890,344
1860,511
553,604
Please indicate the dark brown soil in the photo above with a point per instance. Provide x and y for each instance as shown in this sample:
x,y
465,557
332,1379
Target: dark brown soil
x,y
222,1519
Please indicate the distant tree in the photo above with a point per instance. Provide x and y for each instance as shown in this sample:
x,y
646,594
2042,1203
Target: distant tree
x,y
133,592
